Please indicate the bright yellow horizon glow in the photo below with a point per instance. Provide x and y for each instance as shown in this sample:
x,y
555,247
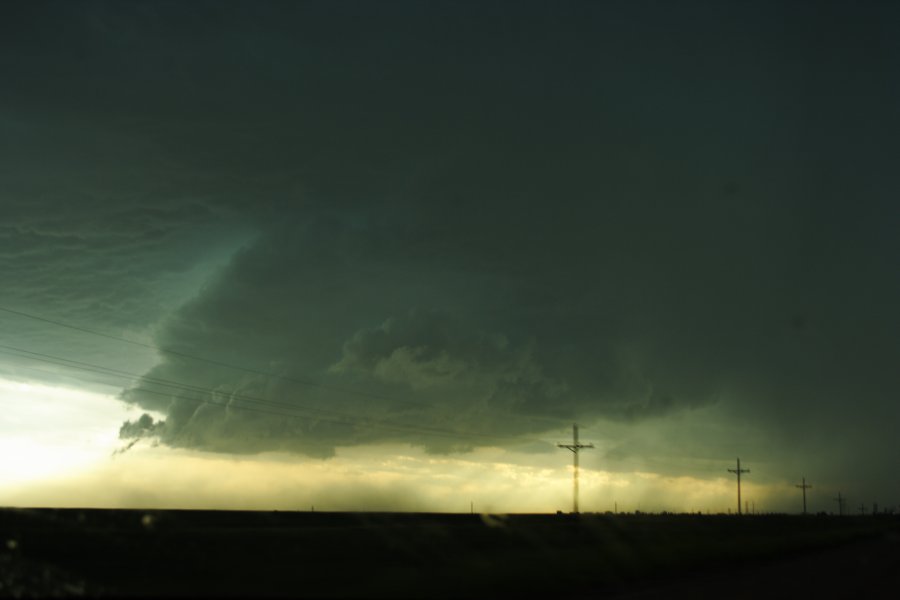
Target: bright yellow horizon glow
x,y
396,479
59,445
49,431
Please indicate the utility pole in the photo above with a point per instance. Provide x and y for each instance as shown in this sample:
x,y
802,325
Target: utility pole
x,y
840,502
575,447
862,508
738,472
805,486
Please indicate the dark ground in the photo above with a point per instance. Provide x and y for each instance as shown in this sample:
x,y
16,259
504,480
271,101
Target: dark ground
x,y
56,552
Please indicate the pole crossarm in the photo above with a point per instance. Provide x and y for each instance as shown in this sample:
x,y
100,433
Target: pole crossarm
x,y
575,448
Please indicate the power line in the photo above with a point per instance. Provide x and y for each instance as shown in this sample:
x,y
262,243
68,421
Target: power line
x,y
245,408
305,382
200,358
190,388
248,399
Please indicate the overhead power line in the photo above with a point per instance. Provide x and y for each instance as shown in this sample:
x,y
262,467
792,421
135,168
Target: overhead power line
x,y
209,361
251,400
399,428
306,382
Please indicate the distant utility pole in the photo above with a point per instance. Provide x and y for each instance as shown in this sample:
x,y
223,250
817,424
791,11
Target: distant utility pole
x,y
862,509
805,486
738,472
575,447
840,502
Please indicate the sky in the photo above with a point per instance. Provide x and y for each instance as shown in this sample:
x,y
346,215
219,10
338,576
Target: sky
x,y
382,255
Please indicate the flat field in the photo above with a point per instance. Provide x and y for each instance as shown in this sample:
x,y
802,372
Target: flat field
x,y
93,552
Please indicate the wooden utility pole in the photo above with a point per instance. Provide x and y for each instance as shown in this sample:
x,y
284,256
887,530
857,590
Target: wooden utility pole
x,y
738,472
575,447
840,500
805,486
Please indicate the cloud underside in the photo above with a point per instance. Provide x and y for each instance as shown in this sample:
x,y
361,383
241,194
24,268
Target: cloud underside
x,y
349,334
453,241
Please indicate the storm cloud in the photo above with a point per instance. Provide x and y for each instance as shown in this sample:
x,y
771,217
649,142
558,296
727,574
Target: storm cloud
x,y
457,225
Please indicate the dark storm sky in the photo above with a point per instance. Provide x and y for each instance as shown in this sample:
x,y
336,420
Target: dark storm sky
x,y
488,218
